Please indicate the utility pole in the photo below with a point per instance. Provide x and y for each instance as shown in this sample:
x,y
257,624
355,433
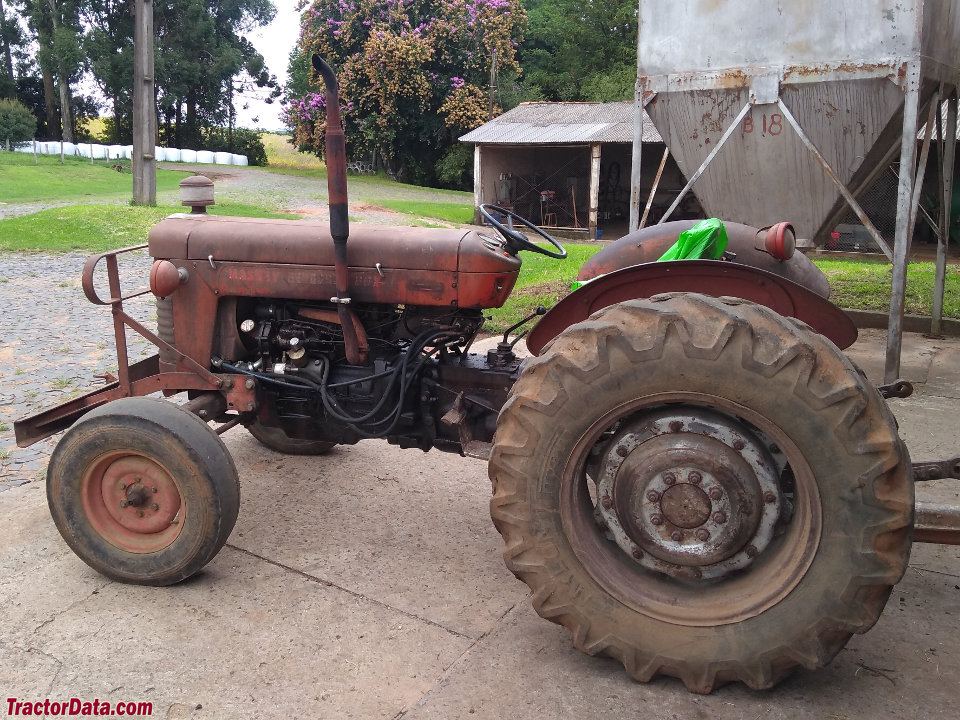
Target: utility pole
x,y
144,108
493,82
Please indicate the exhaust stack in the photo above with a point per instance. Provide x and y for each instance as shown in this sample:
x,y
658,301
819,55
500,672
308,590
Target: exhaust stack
x,y
336,159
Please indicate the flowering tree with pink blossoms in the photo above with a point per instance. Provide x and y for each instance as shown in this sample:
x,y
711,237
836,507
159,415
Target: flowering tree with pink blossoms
x,y
413,74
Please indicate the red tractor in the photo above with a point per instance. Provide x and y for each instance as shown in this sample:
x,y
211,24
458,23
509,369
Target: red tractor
x,y
689,474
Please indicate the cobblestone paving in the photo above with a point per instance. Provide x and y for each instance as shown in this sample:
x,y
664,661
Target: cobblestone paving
x,y
52,343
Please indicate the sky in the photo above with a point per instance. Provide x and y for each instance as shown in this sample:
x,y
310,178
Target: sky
x,y
274,42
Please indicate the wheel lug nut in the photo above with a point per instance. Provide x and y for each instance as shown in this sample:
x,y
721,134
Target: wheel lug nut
x,y
638,554
738,445
703,534
695,477
607,502
154,507
769,497
775,449
715,493
653,496
676,536
656,519
123,486
669,478
139,513
622,451
751,551
676,426
123,503
154,489
719,518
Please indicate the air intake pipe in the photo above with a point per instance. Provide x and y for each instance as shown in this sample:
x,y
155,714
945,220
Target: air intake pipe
x,y
336,159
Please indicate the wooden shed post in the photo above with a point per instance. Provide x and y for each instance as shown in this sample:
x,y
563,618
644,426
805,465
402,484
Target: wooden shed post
x,y
594,189
477,185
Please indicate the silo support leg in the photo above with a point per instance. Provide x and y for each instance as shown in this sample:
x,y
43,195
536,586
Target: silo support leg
x,y
933,116
901,241
847,195
713,153
949,144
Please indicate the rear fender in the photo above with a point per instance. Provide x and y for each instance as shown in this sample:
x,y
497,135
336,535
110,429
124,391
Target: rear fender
x,y
744,241
708,277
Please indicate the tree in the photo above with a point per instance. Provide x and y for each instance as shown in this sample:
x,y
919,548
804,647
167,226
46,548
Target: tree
x,y
17,123
108,45
202,62
581,49
11,35
201,53
56,24
413,74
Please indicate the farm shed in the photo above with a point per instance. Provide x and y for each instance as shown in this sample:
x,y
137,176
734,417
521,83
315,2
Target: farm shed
x,y
566,166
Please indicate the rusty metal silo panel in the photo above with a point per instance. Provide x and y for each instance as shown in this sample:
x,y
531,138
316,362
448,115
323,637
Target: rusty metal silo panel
x,y
838,65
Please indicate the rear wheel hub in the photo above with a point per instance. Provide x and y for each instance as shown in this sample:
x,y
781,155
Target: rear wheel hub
x,y
692,493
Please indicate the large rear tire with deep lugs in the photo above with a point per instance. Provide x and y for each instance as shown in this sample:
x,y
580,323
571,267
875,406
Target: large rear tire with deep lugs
x,y
699,487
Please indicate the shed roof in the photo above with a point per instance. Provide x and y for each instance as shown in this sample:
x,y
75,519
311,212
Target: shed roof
x,y
546,123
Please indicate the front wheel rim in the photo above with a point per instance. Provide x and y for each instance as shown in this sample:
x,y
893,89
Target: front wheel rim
x,y
133,502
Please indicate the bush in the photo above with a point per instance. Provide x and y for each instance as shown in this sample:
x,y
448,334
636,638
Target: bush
x,y
245,142
455,168
17,123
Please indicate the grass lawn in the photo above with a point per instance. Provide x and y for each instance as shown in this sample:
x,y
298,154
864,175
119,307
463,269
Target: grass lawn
x,y
96,228
865,285
542,281
282,155
455,212
22,181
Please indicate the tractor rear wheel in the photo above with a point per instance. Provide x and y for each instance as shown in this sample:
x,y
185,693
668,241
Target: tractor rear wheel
x,y
699,487
278,441
143,491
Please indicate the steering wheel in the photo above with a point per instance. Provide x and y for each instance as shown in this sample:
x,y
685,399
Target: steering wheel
x,y
516,240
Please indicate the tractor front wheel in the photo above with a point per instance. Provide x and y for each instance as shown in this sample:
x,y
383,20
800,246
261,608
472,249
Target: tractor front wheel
x,y
143,491
699,487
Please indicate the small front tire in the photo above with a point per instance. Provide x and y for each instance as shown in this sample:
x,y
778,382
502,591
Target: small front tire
x,y
143,491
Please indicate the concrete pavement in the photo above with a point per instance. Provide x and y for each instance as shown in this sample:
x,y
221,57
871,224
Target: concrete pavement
x,y
368,584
